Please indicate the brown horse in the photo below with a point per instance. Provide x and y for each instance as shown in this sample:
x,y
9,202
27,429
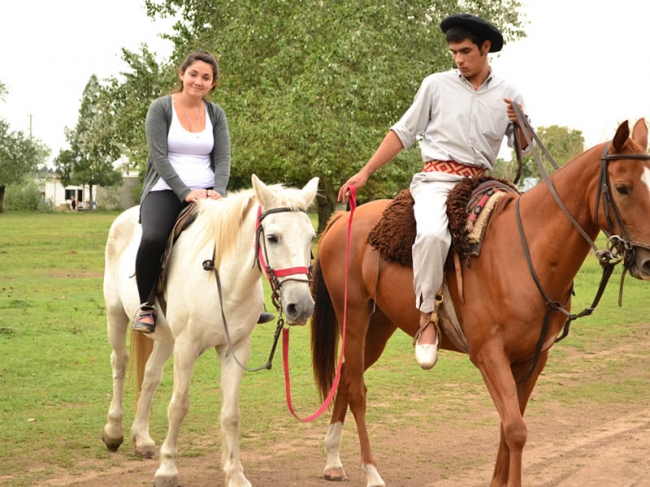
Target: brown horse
x,y
503,313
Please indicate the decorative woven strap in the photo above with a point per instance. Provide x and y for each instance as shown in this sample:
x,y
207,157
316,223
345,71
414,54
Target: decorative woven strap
x,y
453,167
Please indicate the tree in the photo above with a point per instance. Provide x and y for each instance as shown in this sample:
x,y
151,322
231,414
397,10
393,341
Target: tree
x,y
89,160
123,105
20,156
562,143
310,88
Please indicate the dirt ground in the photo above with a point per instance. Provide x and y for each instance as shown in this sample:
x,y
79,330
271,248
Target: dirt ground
x,y
594,446
613,453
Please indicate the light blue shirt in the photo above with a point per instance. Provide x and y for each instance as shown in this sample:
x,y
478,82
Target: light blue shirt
x,y
456,122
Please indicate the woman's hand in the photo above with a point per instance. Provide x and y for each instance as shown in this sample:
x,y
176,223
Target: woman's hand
x,y
200,194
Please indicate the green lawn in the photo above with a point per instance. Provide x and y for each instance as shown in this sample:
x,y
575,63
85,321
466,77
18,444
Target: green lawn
x,y
55,375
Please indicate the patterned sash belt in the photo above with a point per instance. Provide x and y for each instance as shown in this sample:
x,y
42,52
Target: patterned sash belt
x,y
453,167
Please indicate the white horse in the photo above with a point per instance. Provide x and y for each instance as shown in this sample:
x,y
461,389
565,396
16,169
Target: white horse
x,y
234,235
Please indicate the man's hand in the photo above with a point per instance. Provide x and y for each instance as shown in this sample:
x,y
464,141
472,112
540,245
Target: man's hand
x,y
511,111
358,180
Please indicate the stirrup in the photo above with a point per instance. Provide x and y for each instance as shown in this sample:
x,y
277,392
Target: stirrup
x,y
426,354
433,319
144,311
265,317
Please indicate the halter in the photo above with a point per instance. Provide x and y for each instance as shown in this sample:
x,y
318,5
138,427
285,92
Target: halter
x,y
620,247
261,257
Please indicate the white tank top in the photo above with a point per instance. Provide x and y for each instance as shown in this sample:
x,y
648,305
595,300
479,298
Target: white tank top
x,y
189,154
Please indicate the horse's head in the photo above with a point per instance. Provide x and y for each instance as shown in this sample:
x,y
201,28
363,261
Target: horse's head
x,y
626,196
285,236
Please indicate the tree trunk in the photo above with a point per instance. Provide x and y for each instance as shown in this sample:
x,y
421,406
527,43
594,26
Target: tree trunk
x,y
326,202
2,199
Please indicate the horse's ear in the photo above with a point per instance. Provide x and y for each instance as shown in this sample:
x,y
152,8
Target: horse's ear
x,y
622,134
309,192
261,190
640,133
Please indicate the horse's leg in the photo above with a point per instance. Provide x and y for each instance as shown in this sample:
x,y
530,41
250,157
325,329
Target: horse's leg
x,y
380,330
333,465
357,325
144,446
500,382
185,356
524,391
231,375
117,323
359,356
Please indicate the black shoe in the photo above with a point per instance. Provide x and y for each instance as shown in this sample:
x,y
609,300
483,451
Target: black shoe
x,y
145,311
265,317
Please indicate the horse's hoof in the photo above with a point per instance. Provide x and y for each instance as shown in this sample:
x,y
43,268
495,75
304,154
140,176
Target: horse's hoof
x,y
335,475
372,476
112,443
147,452
157,482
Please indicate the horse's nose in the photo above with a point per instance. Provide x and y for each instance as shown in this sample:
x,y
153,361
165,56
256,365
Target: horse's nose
x,y
298,313
645,269
640,267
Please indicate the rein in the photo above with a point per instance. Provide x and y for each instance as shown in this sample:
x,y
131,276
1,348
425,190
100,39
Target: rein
x,y
620,249
285,331
261,259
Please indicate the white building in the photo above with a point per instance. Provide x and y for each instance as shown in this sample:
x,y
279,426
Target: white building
x,y
117,197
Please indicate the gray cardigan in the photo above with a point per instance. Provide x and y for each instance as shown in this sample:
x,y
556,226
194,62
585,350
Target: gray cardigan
x,y
159,118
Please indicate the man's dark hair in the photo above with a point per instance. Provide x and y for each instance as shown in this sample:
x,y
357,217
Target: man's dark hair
x,y
459,34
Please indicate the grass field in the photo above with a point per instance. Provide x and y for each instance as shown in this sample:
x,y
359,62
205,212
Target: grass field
x,y
55,376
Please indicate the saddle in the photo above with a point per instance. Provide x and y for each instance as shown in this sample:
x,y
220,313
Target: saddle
x,y
469,206
185,218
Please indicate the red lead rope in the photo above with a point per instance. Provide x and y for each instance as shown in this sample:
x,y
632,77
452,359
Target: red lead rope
x,y
285,331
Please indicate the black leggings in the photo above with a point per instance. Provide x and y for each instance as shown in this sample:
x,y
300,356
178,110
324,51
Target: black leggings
x,y
158,214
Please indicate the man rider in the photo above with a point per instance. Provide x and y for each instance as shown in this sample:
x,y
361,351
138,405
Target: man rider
x,y
461,117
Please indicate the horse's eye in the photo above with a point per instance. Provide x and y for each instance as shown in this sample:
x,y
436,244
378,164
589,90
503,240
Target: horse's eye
x,y
622,189
272,239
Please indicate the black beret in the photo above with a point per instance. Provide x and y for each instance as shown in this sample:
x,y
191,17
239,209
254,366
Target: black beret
x,y
481,27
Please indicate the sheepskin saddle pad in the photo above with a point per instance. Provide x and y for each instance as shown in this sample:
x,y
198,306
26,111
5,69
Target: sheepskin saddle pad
x,y
469,206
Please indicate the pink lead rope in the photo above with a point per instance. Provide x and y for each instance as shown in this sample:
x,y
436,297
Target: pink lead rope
x,y
285,331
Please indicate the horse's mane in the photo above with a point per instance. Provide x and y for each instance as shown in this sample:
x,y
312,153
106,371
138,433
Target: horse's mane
x,y
221,220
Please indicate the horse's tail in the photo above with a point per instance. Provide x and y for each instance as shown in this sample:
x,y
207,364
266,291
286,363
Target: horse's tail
x,y
324,324
324,333
140,349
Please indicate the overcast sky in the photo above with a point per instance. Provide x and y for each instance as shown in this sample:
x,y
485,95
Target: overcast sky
x,y
583,65
49,49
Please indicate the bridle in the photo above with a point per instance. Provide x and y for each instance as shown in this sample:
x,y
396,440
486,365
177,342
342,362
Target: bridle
x,y
621,249
624,246
261,259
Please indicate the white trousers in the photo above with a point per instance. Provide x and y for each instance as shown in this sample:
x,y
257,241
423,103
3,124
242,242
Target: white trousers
x,y
432,242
